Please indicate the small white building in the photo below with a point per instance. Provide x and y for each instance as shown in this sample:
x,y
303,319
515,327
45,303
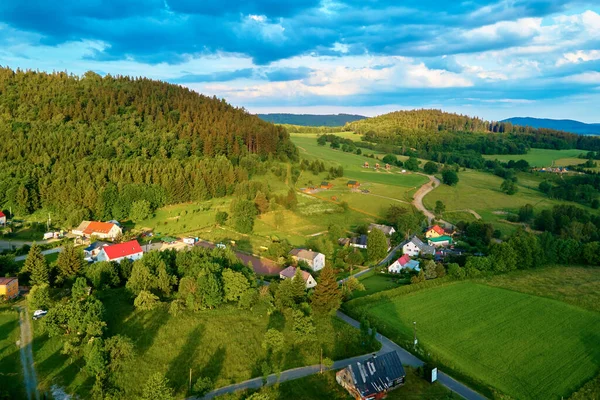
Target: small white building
x,y
118,252
315,261
415,247
403,262
92,251
290,273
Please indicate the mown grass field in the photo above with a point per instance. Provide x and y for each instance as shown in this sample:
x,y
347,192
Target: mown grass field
x,y
542,157
11,375
374,283
523,345
224,344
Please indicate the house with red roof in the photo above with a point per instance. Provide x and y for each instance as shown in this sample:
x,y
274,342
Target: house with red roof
x,y
2,219
402,263
435,231
101,230
118,252
290,273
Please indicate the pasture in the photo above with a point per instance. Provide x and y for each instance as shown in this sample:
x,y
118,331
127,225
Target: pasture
x,y
375,282
543,157
11,375
223,344
522,345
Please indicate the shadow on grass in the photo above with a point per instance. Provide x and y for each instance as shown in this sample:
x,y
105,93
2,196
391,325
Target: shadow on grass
x,y
7,328
214,366
179,366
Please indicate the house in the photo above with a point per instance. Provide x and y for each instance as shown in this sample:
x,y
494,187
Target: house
x,y
403,262
101,230
326,185
353,184
415,246
92,251
118,252
440,241
387,230
290,272
9,287
435,231
372,378
359,241
316,261
2,219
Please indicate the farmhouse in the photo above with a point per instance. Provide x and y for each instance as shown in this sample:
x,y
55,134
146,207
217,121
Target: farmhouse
x,y
315,261
403,262
415,246
353,184
9,287
93,250
2,219
440,241
387,230
435,231
101,230
373,378
290,272
326,185
118,252
359,241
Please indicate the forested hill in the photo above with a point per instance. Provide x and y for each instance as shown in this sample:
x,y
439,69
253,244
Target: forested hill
x,y
67,141
311,119
566,125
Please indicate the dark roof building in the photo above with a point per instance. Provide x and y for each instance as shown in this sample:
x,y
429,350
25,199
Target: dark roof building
x,y
373,378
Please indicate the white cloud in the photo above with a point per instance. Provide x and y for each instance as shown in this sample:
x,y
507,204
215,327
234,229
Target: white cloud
x,y
579,56
591,77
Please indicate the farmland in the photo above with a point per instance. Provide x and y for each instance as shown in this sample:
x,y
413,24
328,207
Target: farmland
x,y
523,345
223,344
11,380
543,157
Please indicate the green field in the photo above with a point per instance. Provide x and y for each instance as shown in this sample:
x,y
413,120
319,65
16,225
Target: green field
x,y
374,283
223,344
525,346
542,157
11,376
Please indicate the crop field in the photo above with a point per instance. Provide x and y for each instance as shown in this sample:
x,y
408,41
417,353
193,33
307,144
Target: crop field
x,y
11,379
542,157
523,345
224,345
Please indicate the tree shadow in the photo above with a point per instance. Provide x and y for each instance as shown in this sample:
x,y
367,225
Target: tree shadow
x,y
7,328
214,366
143,327
276,321
179,366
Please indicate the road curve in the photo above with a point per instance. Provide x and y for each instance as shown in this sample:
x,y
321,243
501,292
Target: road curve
x,y
29,375
422,192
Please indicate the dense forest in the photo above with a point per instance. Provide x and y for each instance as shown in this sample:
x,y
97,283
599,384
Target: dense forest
x,y
69,143
434,130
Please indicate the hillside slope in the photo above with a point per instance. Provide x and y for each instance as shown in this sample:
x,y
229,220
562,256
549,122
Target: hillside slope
x,y
311,119
71,144
567,125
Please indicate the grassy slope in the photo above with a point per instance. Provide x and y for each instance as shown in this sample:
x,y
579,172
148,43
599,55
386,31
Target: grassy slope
x,y
223,344
542,157
11,376
526,346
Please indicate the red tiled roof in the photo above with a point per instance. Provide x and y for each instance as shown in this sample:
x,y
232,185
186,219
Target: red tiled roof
x,y
98,227
6,281
2,214
404,259
123,250
438,229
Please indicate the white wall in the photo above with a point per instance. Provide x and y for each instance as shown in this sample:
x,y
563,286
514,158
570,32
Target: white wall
x,y
318,262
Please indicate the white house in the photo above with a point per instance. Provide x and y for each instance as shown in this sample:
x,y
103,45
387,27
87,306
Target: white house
x,y
92,251
387,230
290,272
118,252
315,261
359,241
415,247
2,219
101,230
402,263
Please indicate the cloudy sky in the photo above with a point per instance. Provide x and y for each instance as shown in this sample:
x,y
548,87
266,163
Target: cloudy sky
x,y
490,58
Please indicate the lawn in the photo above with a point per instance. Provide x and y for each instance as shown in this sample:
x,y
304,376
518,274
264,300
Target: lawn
x,y
224,344
542,157
11,375
375,282
523,345
324,386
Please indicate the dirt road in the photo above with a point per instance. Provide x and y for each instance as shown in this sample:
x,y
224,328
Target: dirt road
x,y
29,375
424,190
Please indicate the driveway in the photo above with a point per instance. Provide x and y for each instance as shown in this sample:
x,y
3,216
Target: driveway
x,y
29,376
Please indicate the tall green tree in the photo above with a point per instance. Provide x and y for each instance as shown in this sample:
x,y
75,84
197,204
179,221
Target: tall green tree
x,y
140,210
157,388
36,265
327,295
298,287
70,261
235,285
449,177
243,213
376,245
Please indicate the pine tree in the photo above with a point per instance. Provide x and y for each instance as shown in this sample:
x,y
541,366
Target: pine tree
x,y
70,261
327,296
37,266
298,288
157,388
376,245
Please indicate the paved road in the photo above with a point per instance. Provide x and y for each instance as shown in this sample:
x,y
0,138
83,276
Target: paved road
x,y
356,275
29,375
386,346
45,252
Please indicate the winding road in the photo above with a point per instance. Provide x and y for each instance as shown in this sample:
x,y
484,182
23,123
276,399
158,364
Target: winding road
x,y
386,346
29,376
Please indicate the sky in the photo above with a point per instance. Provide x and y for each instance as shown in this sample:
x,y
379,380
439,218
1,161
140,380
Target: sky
x,y
489,58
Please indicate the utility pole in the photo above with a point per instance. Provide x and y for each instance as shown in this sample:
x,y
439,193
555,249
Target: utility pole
x,y
190,380
321,366
415,335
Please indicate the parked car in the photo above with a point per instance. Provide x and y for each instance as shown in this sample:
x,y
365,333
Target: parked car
x,y
220,245
39,314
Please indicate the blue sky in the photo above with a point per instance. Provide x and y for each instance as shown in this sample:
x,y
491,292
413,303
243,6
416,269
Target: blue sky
x,y
489,58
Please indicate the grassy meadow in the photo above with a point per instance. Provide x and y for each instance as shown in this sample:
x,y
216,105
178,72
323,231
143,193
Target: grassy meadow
x,y
375,283
543,157
11,374
223,344
525,346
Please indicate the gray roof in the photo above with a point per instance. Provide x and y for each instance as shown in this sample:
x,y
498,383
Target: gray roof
x,y
425,249
360,240
377,374
383,228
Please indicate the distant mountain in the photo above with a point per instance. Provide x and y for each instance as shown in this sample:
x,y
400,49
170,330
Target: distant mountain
x,y
566,125
311,119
